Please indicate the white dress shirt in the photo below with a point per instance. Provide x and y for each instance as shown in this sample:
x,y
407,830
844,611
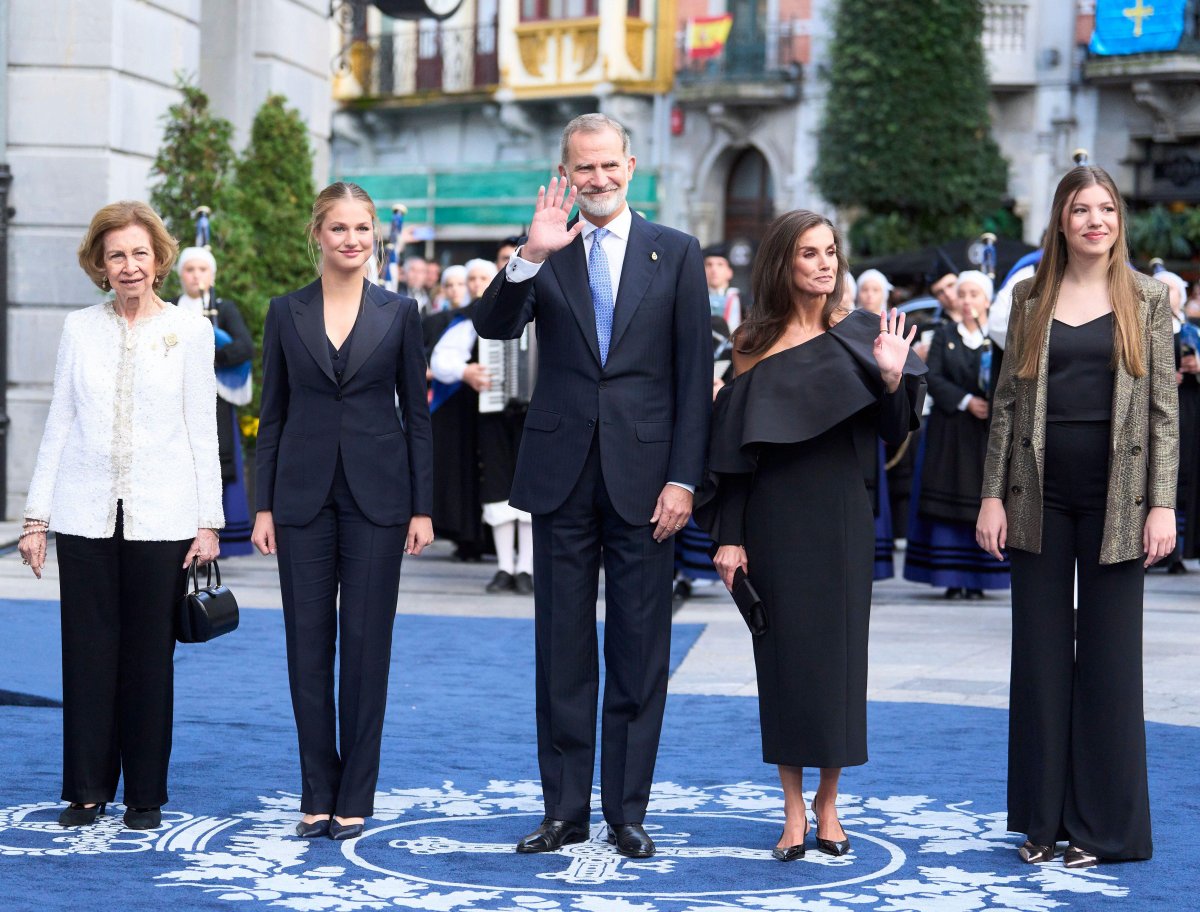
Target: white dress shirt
x,y
133,418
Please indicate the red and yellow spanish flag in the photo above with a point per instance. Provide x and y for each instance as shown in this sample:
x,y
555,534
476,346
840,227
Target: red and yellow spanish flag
x,y
706,37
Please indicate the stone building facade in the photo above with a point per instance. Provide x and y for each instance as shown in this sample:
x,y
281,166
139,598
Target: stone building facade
x,y
83,87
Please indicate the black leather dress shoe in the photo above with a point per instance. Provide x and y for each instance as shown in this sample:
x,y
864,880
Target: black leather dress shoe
x,y
551,835
313,830
143,818
630,839
502,582
524,584
341,831
75,815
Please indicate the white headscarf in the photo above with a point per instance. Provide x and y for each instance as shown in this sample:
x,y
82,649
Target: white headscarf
x,y
979,279
868,275
196,253
1174,278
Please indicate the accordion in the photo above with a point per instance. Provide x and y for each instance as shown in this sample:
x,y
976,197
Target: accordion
x,y
512,365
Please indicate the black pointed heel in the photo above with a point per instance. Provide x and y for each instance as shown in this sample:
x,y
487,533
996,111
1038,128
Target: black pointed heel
x,y
76,815
791,853
835,847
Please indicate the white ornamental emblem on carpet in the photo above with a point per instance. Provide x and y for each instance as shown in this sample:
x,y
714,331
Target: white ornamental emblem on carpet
x,y
451,850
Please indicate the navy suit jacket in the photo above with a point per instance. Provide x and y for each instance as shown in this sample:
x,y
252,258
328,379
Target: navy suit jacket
x,y
307,418
650,403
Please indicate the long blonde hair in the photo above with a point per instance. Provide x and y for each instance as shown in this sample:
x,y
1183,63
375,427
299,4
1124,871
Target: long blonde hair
x,y
1122,288
340,190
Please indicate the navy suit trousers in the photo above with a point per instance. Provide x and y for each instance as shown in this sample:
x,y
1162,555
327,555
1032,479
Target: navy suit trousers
x,y
569,544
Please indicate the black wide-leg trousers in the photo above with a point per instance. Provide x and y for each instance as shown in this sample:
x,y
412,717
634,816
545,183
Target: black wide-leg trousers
x,y
568,546
118,601
340,549
1077,734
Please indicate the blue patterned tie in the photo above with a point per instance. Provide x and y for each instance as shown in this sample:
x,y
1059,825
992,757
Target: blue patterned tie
x,y
600,281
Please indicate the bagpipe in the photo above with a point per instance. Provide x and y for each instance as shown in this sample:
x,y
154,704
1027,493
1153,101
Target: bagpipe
x,y
394,248
234,382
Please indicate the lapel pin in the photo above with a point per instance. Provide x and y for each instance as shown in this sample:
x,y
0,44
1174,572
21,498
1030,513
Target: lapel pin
x,y
950,345
654,254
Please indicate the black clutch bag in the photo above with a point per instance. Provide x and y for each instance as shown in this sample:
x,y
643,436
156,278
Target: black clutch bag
x,y
205,613
749,604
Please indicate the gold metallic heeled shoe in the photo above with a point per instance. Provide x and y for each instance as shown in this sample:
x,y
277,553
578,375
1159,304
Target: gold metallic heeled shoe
x,y
1075,857
1032,853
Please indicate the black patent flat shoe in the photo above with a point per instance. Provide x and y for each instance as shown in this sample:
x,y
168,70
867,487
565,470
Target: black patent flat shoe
x,y
551,835
631,840
1075,857
313,830
835,847
342,831
143,818
1032,853
76,815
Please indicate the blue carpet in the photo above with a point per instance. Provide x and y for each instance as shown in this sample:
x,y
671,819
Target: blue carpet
x,y
458,785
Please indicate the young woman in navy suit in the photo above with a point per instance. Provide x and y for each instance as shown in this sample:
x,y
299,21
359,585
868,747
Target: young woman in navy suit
x,y
344,487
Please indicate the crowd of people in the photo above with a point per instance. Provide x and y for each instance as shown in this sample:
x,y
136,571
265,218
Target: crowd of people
x,y
674,434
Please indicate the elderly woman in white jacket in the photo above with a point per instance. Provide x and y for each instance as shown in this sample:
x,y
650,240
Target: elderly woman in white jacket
x,y
128,477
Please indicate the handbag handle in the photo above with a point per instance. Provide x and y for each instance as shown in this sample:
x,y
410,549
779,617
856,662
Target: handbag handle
x,y
212,565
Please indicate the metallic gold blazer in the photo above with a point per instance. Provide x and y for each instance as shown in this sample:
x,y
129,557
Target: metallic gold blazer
x,y
1143,449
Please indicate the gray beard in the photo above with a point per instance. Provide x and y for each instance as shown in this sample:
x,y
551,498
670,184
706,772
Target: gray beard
x,y
588,206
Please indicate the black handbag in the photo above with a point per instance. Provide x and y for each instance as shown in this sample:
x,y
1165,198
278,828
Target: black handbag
x,y
754,612
205,613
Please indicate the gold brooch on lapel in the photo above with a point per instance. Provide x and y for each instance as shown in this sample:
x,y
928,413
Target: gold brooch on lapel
x,y
654,254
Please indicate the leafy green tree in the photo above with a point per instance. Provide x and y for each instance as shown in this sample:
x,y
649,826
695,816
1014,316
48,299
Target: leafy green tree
x,y
906,145
260,238
192,167
1158,232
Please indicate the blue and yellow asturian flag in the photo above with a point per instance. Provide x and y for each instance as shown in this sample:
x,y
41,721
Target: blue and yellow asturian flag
x,y
1137,26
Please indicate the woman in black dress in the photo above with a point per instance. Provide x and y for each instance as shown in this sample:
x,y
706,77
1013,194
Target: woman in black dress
x,y
794,443
941,541
1079,485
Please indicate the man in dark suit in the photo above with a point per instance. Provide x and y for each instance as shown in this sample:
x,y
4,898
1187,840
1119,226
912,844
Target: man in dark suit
x,y
613,448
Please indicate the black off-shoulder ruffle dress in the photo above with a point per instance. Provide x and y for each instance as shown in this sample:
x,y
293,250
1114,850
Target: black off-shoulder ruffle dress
x,y
792,452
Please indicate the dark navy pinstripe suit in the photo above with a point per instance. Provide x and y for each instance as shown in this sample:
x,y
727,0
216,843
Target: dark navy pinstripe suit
x,y
600,443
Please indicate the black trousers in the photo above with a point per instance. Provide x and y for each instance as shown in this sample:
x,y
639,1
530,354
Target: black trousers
x,y
118,602
1077,734
339,549
567,548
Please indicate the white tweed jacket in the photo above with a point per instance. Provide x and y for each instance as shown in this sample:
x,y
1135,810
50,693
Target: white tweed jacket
x,y
133,418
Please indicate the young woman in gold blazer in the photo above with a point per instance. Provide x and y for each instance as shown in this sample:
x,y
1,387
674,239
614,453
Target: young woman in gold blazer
x,y
1080,478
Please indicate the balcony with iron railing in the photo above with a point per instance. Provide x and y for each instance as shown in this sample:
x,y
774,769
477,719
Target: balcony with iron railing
x,y
755,65
428,60
1008,43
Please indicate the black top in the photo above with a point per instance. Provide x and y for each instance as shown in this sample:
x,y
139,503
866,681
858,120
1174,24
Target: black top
x,y
341,356
1080,376
795,396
